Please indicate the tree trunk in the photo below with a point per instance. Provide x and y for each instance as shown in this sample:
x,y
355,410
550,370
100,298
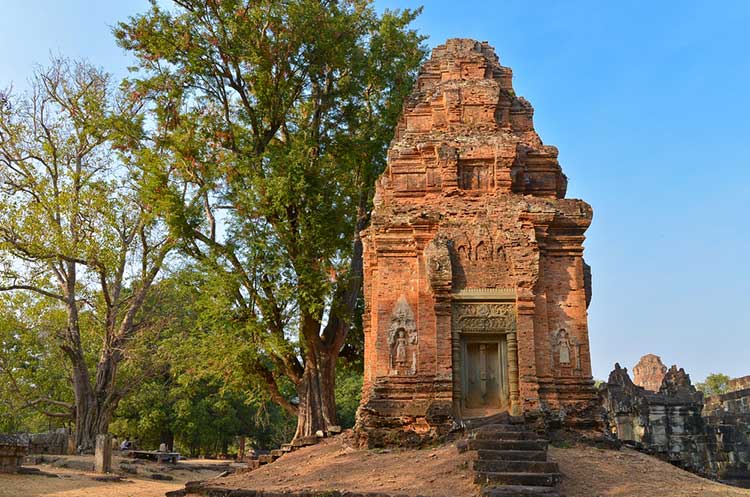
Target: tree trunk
x,y
241,448
310,412
167,436
317,391
94,405
328,385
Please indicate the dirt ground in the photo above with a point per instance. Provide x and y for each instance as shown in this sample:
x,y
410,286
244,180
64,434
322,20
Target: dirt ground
x,y
590,472
72,482
335,464
442,472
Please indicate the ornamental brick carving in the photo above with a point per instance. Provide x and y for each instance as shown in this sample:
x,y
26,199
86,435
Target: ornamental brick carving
x,y
485,318
471,228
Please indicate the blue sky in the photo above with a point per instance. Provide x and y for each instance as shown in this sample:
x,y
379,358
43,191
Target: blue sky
x,y
647,102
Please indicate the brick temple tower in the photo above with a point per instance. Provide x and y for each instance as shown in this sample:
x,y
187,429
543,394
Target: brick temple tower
x,y
475,285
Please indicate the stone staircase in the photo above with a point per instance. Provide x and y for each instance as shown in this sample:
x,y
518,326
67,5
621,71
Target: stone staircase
x,y
511,459
254,462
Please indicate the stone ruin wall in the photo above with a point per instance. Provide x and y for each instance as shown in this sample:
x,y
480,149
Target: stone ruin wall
x,y
710,437
13,449
472,199
727,417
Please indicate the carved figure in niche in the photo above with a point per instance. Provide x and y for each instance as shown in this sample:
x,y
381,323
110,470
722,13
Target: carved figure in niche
x,y
402,339
565,349
400,349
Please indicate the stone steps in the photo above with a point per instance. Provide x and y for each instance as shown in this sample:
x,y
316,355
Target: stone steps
x,y
502,428
495,420
506,478
506,435
511,459
500,444
512,455
519,491
496,466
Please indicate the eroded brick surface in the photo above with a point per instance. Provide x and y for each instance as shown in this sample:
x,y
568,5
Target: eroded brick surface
x,y
471,203
649,372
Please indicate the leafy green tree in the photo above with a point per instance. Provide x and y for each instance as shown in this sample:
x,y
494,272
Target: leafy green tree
x,y
35,387
184,403
74,230
714,384
348,394
276,115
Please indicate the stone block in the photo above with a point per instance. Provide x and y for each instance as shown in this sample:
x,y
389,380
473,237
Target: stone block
x,y
103,453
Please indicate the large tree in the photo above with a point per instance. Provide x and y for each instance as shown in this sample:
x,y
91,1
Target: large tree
x,y
277,115
73,229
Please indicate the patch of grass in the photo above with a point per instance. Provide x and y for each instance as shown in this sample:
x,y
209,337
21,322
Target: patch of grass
x,y
561,444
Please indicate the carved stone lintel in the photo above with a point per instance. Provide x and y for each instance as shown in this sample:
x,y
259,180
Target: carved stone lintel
x,y
485,318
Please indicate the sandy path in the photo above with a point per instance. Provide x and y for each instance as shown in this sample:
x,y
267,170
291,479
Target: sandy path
x,y
76,483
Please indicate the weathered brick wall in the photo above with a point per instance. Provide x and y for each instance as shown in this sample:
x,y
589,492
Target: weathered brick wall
x,y
472,200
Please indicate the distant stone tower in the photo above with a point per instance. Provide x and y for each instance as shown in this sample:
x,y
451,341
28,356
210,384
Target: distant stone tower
x,y
649,372
474,274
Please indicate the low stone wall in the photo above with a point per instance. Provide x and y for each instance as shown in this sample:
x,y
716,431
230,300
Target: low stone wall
x,y
52,442
673,424
13,448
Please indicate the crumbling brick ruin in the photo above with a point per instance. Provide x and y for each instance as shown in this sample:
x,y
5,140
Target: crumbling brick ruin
x,y
711,438
476,290
649,372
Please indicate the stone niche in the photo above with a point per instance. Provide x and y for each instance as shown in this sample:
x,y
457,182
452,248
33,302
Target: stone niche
x,y
476,290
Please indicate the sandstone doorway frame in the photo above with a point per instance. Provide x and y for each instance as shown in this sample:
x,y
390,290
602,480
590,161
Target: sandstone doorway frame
x,y
484,315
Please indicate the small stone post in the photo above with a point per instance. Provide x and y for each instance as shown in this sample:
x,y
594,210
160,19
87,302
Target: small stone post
x,y
72,449
103,453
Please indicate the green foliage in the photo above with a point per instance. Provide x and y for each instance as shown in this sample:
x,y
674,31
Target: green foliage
x,y
714,384
186,399
34,377
251,135
276,117
348,393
